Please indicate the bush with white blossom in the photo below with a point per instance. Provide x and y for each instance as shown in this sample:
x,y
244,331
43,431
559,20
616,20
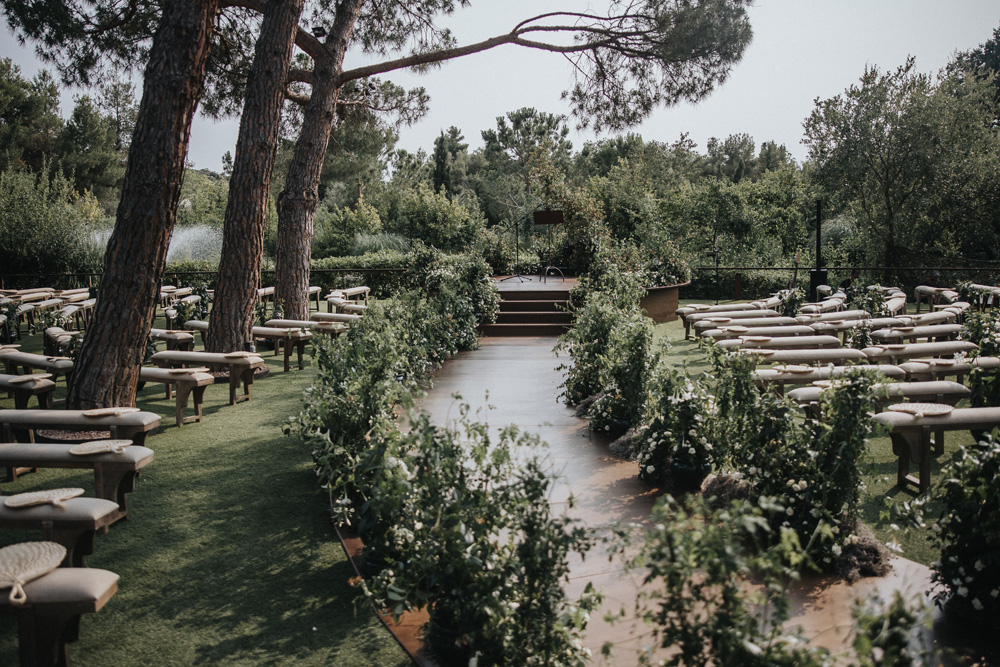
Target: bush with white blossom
x,y
968,529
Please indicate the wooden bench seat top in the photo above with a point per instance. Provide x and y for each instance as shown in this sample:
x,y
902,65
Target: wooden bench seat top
x,y
748,314
706,308
207,358
764,376
919,350
334,317
702,326
837,326
13,359
911,437
39,385
915,333
746,341
330,327
807,357
133,426
934,391
73,525
788,330
167,376
810,318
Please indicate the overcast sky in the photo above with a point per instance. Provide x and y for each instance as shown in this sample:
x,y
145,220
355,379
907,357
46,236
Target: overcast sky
x,y
801,50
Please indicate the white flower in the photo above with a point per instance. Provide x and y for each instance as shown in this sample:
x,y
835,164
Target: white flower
x,y
962,591
995,592
836,550
650,470
979,566
692,451
789,511
976,604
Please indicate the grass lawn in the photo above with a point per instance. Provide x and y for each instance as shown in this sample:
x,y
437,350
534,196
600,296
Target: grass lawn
x,y
228,557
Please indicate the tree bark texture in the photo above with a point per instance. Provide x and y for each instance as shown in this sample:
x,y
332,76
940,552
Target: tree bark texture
x,y
298,201
243,230
107,368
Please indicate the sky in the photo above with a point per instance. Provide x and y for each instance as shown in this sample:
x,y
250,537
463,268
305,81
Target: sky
x,y
801,50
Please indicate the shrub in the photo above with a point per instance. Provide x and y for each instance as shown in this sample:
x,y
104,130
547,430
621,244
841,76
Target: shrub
x,y
382,271
869,298
968,530
983,329
45,226
587,344
811,467
629,360
683,427
470,535
335,228
791,301
433,218
698,561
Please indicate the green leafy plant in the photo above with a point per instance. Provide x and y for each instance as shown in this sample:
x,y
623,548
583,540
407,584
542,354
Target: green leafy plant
x,y
629,360
860,336
696,596
791,301
470,535
891,634
869,298
983,329
968,530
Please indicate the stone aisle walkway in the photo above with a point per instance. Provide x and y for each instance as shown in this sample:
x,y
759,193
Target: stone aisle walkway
x,y
518,377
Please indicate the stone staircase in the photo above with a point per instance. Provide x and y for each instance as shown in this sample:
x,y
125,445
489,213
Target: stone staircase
x,y
531,313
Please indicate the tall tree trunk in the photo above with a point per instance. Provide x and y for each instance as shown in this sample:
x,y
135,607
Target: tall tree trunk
x,y
107,368
298,201
243,231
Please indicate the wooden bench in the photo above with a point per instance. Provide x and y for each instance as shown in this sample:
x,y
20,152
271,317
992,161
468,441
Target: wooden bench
x,y
724,317
285,339
755,341
912,442
939,391
832,316
938,369
894,353
345,318
729,333
50,618
779,377
191,384
13,360
114,473
835,356
175,339
56,339
824,306
73,525
328,328
930,332
241,368
132,426
701,326
933,296
25,386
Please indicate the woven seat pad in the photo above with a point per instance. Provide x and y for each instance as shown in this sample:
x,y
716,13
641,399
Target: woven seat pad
x,y
24,562
281,332
22,453
90,512
36,381
922,409
912,350
47,497
78,590
95,447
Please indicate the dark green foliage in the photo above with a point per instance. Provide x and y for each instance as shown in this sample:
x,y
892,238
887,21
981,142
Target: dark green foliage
x,y
29,118
968,530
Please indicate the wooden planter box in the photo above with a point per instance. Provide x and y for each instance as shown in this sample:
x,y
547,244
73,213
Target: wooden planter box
x,y
660,303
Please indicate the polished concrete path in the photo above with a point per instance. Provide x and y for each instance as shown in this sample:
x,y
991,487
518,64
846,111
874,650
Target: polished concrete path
x,y
519,378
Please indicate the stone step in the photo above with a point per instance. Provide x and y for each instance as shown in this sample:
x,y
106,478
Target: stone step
x,y
534,317
505,330
520,306
535,295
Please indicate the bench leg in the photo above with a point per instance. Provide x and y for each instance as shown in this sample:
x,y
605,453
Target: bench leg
x,y
301,349
287,345
79,543
112,483
43,637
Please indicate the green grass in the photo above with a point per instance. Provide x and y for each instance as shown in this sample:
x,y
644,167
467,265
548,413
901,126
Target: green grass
x,y
229,557
881,491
